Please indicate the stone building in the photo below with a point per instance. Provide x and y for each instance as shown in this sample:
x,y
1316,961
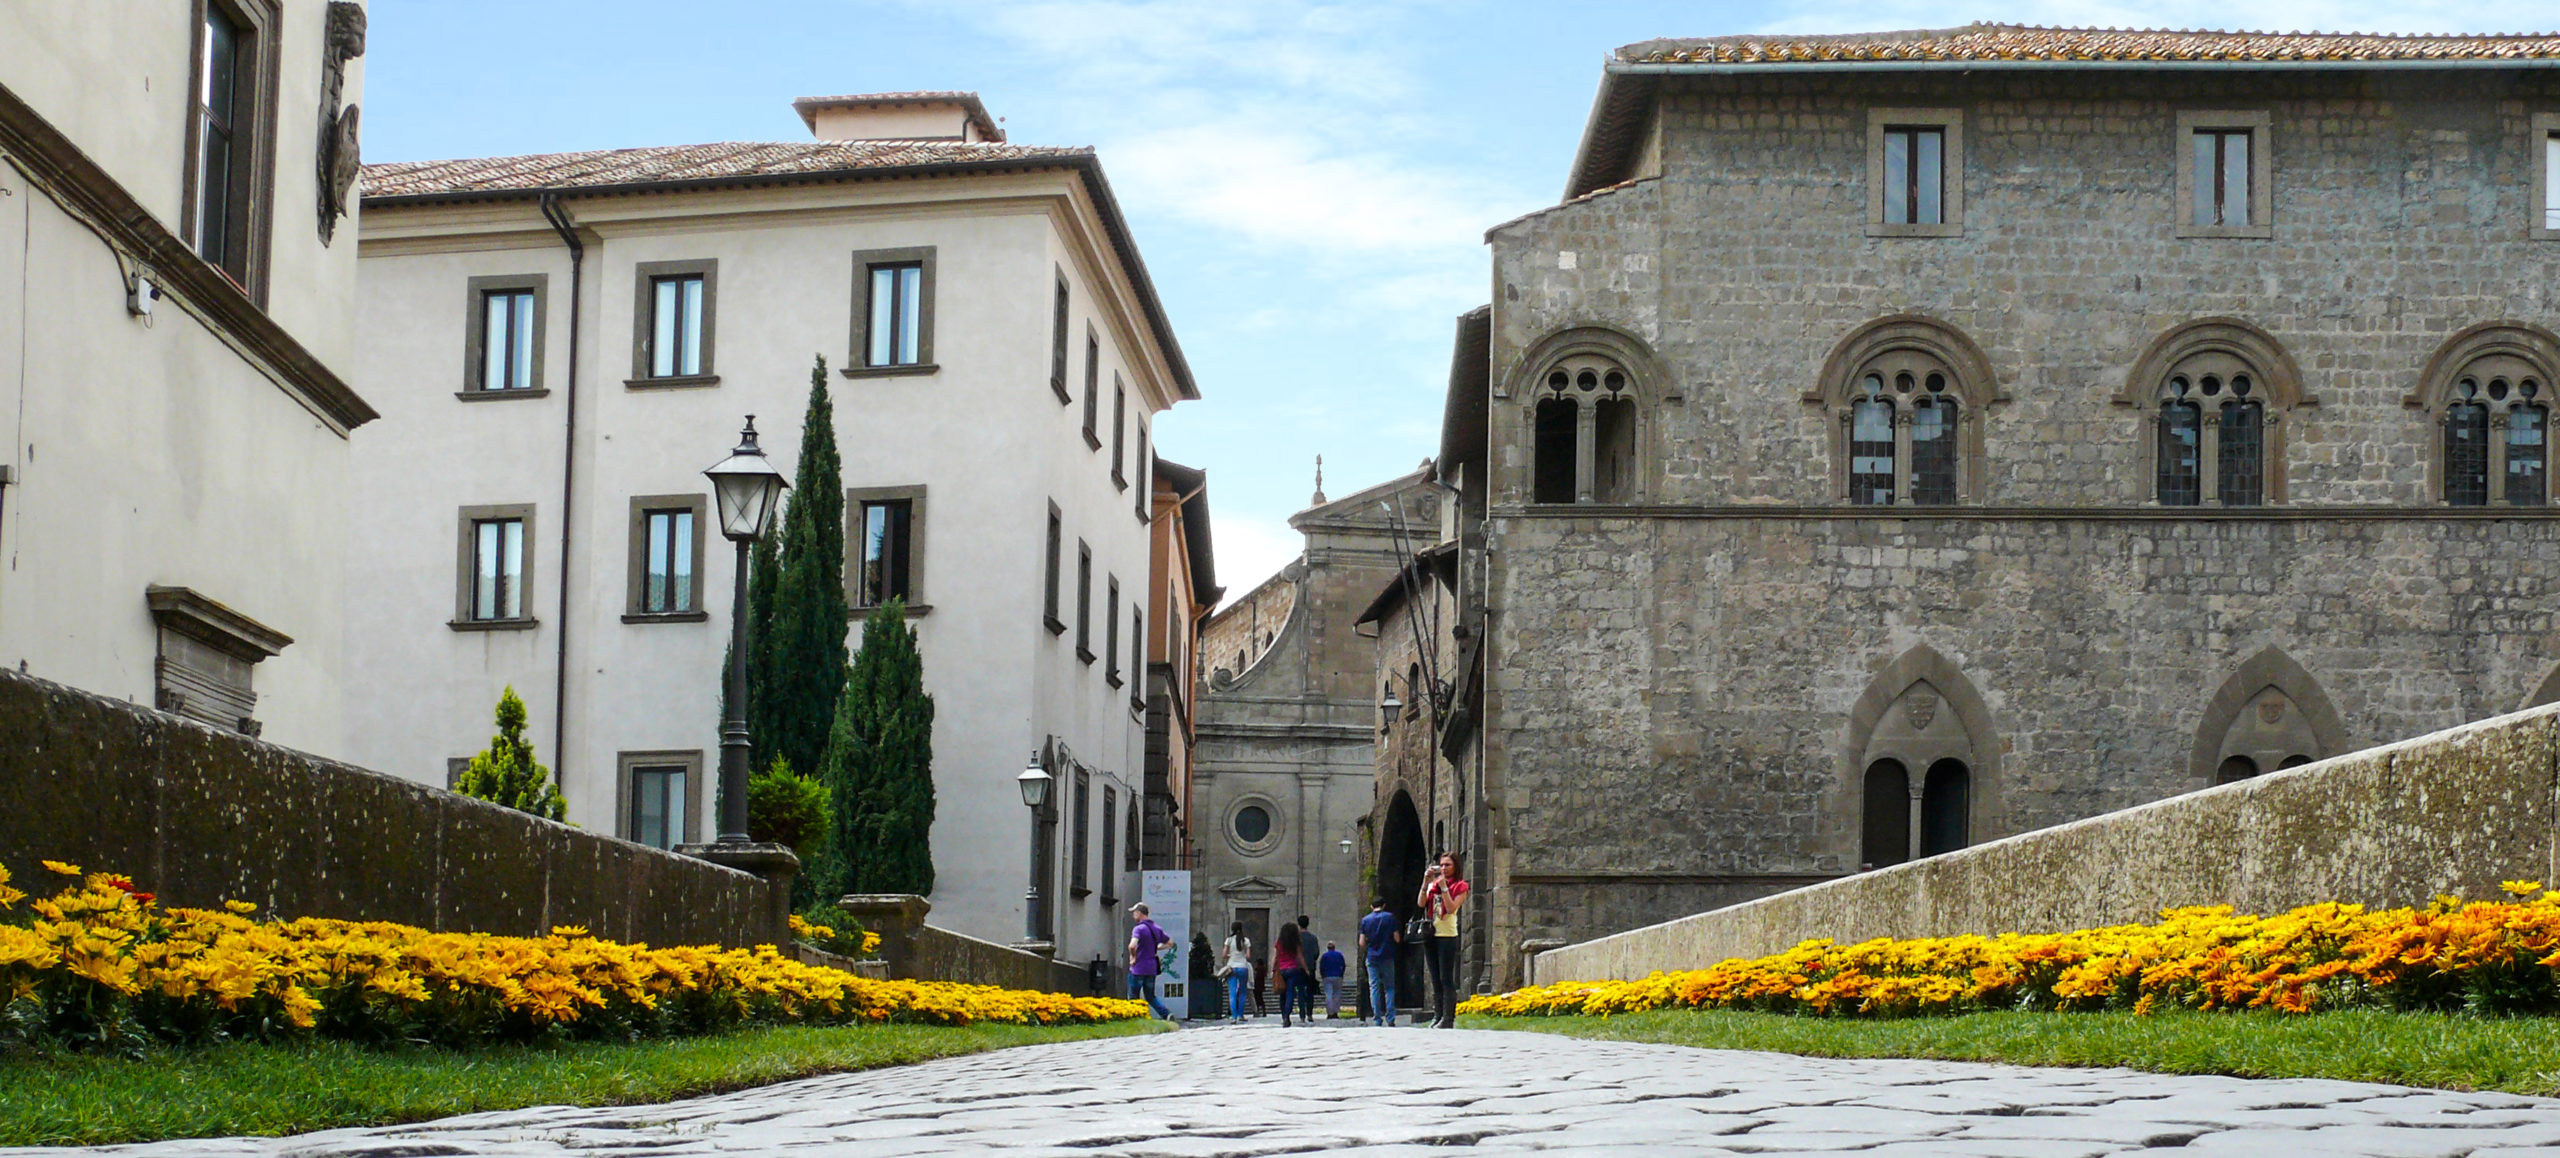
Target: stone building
x,y
563,342
1281,787
177,334
1895,442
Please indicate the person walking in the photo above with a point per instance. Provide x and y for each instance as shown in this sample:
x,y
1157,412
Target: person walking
x,y
1238,952
1204,975
1378,938
1444,892
1329,967
1146,958
1306,970
1287,963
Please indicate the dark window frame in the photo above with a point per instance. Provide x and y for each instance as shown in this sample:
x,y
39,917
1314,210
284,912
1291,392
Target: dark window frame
x,y
249,201
857,538
467,568
1138,666
1084,601
636,607
644,323
1119,431
627,766
1110,864
1948,125
924,259
1146,462
1111,630
1055,574
2258,214
475,362
1058,334
1092,387
1080,862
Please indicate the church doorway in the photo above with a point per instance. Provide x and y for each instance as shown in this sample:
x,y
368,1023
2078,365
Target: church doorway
x,y
1401,858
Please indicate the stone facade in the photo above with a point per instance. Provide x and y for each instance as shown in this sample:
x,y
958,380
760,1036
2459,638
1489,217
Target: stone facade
x,y
1291,734
1699,647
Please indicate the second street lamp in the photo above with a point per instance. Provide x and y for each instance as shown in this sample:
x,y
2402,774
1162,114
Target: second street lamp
x,y
1034,783
748,489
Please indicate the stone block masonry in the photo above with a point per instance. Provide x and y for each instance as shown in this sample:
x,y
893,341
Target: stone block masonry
x,y
2455,812
200,816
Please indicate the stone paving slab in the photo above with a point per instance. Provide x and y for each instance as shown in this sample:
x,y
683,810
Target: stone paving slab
x,y
1254,1090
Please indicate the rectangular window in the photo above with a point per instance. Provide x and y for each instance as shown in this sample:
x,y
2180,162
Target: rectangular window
x,y
1078,868
1915,172
887,527
1084,601
497,569
1058,343
657,805
675,326
1111,630
2542,159
897,299
667,583
2551,181
2527,468
226,59
2223,174
1146,464
1914,175
1871,467
1050,577
506,342
1119,432
1092,389
2222,177
1137,656
1110,845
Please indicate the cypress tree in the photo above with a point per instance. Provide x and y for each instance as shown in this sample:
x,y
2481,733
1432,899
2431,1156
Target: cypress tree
x,y
879,761
507,773
797,611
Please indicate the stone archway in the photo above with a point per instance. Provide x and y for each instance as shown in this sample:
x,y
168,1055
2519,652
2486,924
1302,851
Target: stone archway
x,y
1401,856
1921,725
2269,714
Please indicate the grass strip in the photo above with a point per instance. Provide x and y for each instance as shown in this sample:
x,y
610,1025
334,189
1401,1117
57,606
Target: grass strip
x,y
67,1099
2443,1051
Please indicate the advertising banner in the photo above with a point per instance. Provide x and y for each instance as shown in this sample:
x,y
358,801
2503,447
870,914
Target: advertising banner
x,y
1167,893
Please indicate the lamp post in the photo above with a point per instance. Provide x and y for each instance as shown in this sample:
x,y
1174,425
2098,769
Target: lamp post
x,y
1034,783
748,489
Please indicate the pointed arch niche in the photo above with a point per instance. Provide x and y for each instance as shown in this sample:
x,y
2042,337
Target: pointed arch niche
x,y
2269,715
2546,690
1587,395
1905,398
1922,761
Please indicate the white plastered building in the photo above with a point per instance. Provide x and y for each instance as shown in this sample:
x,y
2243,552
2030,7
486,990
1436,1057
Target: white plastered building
x,y
561,343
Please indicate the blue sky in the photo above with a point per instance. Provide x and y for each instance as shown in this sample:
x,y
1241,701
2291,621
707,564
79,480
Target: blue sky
x,y
1310,182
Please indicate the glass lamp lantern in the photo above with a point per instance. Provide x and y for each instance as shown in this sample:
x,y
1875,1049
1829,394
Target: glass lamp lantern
x,y
748,488
1034,782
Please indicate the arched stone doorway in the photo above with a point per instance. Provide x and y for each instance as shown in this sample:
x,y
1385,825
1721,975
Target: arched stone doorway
x,y
1401,857
2269,714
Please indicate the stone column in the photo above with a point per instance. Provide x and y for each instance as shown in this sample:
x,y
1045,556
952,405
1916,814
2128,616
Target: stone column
x,y
2209,456
2498,457
1902,456
1586,424
775,864
898,918
1918,783
1310,818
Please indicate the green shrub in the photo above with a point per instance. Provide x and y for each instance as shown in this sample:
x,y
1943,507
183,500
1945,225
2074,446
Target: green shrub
x,y
785,807
507,773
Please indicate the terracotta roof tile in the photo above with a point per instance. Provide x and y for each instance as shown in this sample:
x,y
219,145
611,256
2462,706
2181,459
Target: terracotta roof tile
x,y
679,163
2014,42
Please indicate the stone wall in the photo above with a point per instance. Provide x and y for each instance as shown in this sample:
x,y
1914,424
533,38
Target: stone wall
x,y
2455,812
911,950
200,816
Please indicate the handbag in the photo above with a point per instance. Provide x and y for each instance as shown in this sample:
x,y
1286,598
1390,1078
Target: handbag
x,y
1417,929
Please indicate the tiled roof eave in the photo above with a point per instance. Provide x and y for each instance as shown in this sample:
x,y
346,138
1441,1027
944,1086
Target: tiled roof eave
x,y
731,181
2227,64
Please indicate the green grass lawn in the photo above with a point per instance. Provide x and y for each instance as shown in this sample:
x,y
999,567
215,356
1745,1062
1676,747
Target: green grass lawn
x,y
2518,1055
59,1099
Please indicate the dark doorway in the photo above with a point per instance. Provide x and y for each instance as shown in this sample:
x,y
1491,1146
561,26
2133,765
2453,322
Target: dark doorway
x,y
1257,931
1556,434
1886,839
2235,769
1400,861
1613,447
1946,802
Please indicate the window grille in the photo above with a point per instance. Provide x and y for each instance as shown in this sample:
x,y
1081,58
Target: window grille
x,y
2466,447
2180,482
1871,451
2528,439
1933,446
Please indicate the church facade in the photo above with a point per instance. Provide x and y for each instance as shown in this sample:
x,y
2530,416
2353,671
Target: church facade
x,y
1894,443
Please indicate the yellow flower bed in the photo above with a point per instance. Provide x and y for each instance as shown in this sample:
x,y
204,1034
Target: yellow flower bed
x,y
101,963
2484,957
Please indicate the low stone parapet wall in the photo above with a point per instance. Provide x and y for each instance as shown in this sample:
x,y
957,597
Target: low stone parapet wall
x,y
2453,812
916,951
200,816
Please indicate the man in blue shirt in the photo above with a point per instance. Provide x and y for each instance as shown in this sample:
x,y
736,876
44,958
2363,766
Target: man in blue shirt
x,y
1329,967
1378,937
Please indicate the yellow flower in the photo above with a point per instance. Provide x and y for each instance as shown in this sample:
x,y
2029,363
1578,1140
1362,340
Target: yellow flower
x,y
2521,888
243,908
55,866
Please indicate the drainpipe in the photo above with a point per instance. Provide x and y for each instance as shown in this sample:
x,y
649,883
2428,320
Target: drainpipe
x,y
568,231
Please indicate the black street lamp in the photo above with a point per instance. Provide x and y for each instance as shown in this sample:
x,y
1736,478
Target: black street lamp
x,y
1034,783
748,489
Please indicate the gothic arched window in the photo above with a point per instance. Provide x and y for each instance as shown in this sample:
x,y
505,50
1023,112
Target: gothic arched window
x,y
1906,395
2218,390
1586,420
2489,392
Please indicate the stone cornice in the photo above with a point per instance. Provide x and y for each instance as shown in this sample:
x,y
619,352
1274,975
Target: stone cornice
x,y
2294,513
85,189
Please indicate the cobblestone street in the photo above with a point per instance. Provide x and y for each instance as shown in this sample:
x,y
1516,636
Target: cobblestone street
x,y
1255,1090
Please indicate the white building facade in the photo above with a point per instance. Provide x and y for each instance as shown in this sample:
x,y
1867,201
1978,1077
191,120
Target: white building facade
x,y
561,343
176,305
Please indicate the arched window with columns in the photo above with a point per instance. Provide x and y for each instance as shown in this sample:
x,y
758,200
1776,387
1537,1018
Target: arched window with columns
x,y
1906,396
2487,392
1922,759
2217,391
1587,392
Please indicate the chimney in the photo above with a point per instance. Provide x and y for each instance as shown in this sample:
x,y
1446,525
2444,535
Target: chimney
x,y
899,116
